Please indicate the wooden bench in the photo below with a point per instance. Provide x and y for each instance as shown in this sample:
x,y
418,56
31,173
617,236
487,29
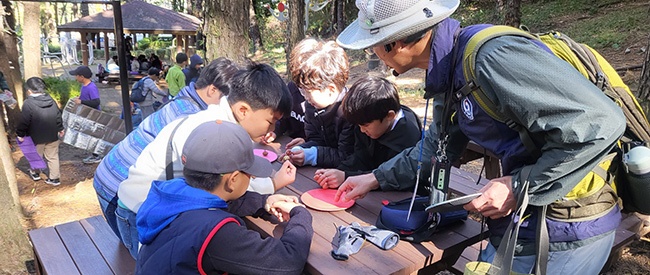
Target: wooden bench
x,y
116,78
625,233
87,246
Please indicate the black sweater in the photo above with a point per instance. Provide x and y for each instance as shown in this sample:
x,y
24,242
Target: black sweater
x,y
370,153
41,119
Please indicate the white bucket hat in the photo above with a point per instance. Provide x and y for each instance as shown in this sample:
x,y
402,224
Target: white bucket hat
x,y
384,21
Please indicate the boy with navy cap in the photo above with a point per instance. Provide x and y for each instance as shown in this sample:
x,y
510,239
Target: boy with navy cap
x,y
191,225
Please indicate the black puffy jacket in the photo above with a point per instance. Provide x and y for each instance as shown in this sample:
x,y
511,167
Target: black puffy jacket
x,y
330,132
41,119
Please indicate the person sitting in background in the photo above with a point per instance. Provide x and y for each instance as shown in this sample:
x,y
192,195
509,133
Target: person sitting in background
x,y
135,64
193,70
191,225
112,65
144,63
154,61
383,128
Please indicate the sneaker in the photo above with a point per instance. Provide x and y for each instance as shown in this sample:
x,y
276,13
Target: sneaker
x,y
53,182
35,175
92,159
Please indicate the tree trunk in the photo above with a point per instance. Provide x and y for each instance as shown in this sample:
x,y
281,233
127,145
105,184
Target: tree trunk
x,y
226,24
32,42
195,7
9,64
644,81
84,10
295,27
340,16
254,31
15,246
512,15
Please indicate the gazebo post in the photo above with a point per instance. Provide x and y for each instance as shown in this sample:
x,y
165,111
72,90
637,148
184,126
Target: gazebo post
x,y
179,39
84,48
135,40
187,48
106,50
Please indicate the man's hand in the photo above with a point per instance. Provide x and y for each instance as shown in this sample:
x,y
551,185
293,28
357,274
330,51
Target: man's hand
x,y
497,200
356,187
329,178
286,175
295,142
280,206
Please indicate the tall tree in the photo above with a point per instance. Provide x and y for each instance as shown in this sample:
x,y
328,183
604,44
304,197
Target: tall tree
x,y
31,39
15,246
512,16
254,31
644,81
226,24
295,27
340,16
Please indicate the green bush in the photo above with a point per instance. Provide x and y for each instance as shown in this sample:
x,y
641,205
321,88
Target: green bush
x,y
54,48
144,43
61,89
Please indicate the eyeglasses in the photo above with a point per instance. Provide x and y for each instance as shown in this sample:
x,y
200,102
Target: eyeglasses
x,y
388,47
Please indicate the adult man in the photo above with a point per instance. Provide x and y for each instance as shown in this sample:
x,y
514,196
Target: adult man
x,y
114,168
573,124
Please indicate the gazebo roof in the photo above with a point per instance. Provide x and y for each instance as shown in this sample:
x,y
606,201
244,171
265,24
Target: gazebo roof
x,y
137,17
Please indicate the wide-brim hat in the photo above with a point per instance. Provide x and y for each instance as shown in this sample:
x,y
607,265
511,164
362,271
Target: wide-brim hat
x,y
385,21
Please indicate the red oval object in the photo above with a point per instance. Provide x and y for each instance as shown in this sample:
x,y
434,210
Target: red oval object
x,y
323,200
281,7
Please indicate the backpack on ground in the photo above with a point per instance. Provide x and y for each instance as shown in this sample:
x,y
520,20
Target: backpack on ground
x,y
137,94
595,68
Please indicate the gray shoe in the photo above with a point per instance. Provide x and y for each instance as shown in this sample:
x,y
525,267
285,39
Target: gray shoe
x,y
36,176
53,182
92,159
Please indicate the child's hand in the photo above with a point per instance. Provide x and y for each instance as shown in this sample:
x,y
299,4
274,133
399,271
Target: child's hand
x,y
295,142
296,156
76,100
286,175
61,133
20,139
329,178
268,138
280,206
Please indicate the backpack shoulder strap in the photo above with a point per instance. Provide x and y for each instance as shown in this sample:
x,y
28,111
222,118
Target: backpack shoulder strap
x,y
469,61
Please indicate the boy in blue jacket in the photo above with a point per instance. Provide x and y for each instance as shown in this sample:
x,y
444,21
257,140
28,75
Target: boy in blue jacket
x,y
383,128
191,225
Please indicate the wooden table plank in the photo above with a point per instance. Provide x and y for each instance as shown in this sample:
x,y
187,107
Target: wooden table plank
x,y
82,249
114,252
51,252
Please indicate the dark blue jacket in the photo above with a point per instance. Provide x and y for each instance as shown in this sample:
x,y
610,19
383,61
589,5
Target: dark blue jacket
x,y
185,230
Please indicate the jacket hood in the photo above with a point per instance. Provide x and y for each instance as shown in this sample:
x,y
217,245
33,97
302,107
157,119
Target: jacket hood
x,y
165,201
196,59
43,100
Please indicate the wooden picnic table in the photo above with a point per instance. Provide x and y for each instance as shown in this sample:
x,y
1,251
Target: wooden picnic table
x,y
406,258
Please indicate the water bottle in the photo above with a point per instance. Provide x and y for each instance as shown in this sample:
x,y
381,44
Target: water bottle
x,y
8,99
637,161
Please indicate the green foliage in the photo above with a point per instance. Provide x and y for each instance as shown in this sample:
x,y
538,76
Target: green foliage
x,y
276,58
54,48
144,43
62,90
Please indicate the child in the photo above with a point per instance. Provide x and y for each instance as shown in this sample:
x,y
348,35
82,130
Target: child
x,y
191,225
41,120
151,91
193,71
258,98
385,128
175,77
320,70
294,125
89,96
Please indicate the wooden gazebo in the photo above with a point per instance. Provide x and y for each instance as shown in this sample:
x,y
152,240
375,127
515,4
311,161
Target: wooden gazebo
x,y
138,17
